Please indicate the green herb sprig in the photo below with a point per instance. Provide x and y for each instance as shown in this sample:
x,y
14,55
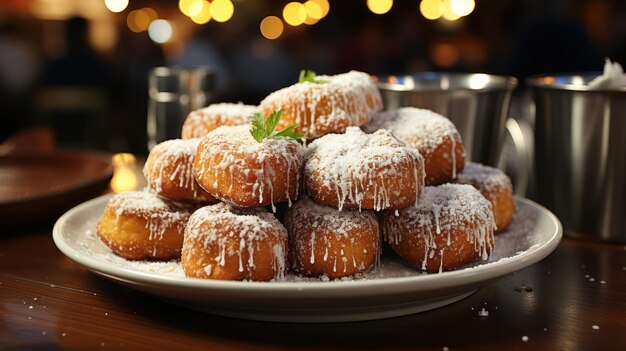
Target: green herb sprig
x,y
265,128
309,76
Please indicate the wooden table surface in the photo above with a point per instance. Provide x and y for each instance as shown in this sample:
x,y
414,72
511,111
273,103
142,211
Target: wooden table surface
x,y
573,300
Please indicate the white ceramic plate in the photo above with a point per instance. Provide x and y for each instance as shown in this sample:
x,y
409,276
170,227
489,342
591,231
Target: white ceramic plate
x,y
394,290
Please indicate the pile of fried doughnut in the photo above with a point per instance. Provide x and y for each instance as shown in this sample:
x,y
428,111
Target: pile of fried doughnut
x,y
233,208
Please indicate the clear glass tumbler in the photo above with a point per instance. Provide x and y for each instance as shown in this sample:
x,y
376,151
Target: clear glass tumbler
x,y
173,93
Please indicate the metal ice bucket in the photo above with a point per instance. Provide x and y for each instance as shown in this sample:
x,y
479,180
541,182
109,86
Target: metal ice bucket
x,y
477,104
580,154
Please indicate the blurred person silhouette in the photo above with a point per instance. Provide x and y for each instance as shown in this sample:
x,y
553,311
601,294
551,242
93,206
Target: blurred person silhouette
x,y
19,67
80,65
73,96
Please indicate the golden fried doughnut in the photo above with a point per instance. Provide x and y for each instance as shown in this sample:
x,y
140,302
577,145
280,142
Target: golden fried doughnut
x,y
496,187
451,225
204,120
435,136
230,243
235,168
325,241
358,170
140,225
169,171
348,99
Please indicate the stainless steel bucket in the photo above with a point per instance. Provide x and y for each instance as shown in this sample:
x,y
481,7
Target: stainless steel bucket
x,y
477,104
580,154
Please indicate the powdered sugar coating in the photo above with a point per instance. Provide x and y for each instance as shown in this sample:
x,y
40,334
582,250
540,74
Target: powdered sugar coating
x,y
323,240
422,129
348,99
363,170
485,177
159,214
234,167
307,212
169,170
495,186
225,232
200,122
440,212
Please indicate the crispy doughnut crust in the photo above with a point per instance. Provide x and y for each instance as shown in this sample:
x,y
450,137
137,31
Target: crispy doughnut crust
x,y
169,171
200,122
433,135
235,168
325,241
452,225
228,243
358,170
348,99
140,225
496,187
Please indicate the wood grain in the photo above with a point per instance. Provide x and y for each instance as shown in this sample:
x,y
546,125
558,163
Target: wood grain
x,y
49,302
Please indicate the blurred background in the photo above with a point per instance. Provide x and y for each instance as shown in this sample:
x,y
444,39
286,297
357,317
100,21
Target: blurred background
x,y
81,67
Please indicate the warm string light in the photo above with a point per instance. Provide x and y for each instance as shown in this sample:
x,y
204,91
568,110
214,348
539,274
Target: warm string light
x,y
324,5
271,27
204,15
450,10
116,5
185,6
202,11
379,7
139,20
314,12
294,13
222,10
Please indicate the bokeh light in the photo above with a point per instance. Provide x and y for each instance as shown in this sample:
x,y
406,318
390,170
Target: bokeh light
x,y
462,7
445,54
160,31
431,9
222,10
139,20
294,13
271,27
116,5
125,173
152,14
184,6
313,10
324,5
379,7
204,16
447,12
196,7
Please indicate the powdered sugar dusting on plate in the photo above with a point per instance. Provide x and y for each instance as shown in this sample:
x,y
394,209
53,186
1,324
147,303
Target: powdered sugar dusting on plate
x,y
512,242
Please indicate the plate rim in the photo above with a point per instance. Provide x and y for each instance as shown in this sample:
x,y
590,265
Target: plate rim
x,y
461,277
